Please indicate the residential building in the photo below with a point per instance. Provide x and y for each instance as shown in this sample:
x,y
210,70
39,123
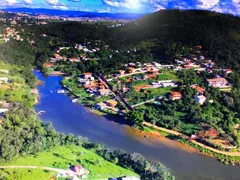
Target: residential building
x,y
121,72
130,178
74,59
48,65
87,75
175,95
57,56
77,169
217,82
4,80
101,106
153,70
104,92
3,110
112,103
169,84
131,70
198,89
200,99
227,71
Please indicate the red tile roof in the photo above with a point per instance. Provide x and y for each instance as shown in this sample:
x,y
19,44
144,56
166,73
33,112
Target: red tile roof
x,y
175,93
198,88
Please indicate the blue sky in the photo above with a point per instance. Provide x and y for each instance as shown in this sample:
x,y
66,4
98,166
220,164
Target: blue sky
x,y
136,6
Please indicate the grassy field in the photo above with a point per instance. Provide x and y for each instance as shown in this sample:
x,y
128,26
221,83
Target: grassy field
x,y
160,91
65,156
26,174
168,75
1,41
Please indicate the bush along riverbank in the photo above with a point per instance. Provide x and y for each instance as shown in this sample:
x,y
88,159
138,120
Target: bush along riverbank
x,y
226,159
133,161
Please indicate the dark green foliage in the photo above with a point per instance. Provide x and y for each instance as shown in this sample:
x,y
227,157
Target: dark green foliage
x,y
146,169
20,53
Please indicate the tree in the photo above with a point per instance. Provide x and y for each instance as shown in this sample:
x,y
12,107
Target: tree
x,y
135,116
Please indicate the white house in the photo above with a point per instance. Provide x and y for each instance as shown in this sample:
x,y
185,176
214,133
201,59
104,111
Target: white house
x,y
200,99
3,80
217,82
104,92
101,106
3,110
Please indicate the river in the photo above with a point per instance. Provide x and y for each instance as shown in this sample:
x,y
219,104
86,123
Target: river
x,y
184,163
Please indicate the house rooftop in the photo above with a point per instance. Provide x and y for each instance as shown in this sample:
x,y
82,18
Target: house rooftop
x,y
104,90
216,79
87,73
198,88
112,102
175,93
101,104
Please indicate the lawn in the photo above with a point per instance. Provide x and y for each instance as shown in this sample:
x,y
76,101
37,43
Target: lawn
x,y
168,75
134,97
65,156
189,129
1,41
26,174
160,91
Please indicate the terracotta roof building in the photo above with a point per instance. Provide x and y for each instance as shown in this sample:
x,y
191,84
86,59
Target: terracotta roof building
x,y
175,95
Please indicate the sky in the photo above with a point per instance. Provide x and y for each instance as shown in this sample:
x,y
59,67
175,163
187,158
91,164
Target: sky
x,y
134,6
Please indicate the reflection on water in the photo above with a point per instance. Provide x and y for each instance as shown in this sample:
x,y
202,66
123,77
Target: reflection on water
x,y
183,162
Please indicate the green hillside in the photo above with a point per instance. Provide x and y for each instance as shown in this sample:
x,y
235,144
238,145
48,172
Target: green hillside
x,y
165,33
63,157
219,34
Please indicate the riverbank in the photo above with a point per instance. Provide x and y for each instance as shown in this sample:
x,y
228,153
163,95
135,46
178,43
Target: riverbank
x,y
225,157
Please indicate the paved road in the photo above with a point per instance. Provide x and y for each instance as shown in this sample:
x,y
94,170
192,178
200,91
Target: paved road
x,y
139,104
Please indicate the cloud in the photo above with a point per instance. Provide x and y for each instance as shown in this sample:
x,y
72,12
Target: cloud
x,y
206,4
55,4
120,3
106,10
60,7
52,2
28,2
9,3
74,0
159,7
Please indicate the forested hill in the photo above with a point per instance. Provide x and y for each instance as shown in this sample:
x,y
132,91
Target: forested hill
x,y
219,34
166,33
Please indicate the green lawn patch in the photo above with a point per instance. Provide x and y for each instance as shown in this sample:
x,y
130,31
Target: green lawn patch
x,y
1,41
65,156
189,129
26,174
168,75
160,91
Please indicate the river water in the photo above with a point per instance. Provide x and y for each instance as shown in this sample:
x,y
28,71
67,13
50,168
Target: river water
x,y
184,163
